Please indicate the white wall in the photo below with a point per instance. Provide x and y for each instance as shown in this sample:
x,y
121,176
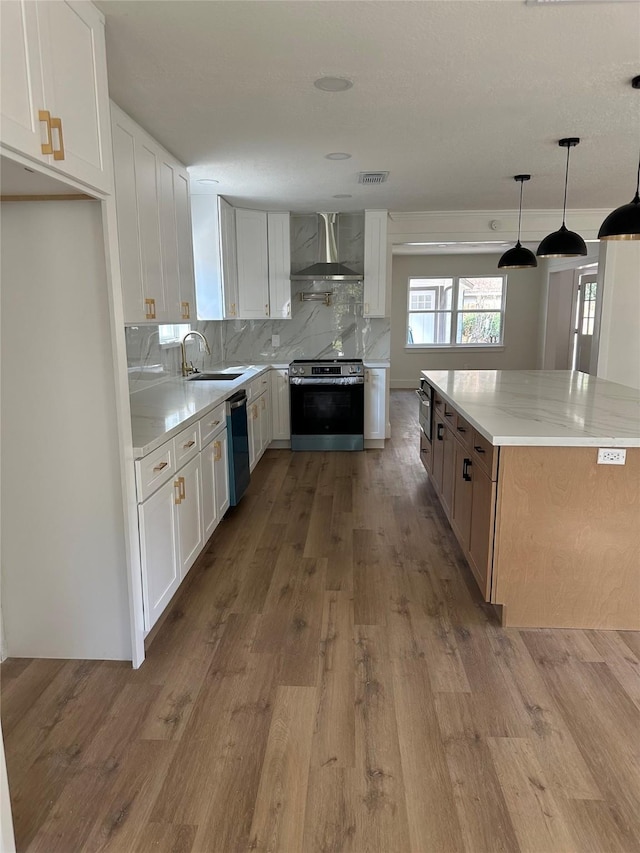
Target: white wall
x,y
520,351
619,347
64,585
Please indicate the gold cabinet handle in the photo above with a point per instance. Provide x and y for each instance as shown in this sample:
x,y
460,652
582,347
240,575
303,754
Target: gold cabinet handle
x,y
177,498
232,309
161,466
183,494
264,405
150,305
214,423
188,444
45,116
266,308
366,307
217,446
185,310
58,153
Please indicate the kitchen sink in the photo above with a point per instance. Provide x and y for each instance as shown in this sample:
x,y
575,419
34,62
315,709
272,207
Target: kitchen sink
x,y
213,377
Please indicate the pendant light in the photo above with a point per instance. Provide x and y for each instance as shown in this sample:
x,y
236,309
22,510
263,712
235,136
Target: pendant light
x,y
563,243
519,257
624,222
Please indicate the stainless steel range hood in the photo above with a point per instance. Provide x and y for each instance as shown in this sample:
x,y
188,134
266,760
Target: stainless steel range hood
x,y
328,267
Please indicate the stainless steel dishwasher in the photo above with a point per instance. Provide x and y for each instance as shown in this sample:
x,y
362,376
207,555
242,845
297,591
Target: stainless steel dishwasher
x,y
238,446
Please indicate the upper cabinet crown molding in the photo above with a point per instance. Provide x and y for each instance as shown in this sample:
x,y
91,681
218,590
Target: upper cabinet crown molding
x,y
53,90
154,227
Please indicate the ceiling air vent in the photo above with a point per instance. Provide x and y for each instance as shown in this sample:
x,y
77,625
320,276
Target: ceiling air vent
x,y
372,177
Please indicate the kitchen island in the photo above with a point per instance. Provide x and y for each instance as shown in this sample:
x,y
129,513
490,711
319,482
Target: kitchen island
x,y
552,536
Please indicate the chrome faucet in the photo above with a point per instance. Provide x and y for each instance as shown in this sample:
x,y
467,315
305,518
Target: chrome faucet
x,y
189,368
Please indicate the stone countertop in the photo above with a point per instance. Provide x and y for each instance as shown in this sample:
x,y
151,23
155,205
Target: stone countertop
x,y
162,411
552,408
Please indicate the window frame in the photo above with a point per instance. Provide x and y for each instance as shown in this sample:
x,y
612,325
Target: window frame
x,y
175,339
455,311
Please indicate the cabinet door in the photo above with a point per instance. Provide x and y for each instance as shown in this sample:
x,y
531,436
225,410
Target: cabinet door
x,y
228,257
448,462
462,492
190,521
209,506
483,504
254,433
265,421
253,271
148,203
375,263
438,452
186,281
279,239
157,518
74,72
375,395
426,453
21,92
124,164
281,428
168,237
221,463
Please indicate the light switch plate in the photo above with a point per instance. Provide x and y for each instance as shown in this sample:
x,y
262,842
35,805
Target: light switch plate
x,y
275,340
611,456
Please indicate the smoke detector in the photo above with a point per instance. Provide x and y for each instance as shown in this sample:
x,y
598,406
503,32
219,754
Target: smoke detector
x,y
372,177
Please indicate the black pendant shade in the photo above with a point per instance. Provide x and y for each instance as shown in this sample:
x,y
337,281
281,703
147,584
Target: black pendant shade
x,y
563,243
518,257
624,222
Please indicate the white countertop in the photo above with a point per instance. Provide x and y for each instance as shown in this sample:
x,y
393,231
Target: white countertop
x,y
560,408
160,412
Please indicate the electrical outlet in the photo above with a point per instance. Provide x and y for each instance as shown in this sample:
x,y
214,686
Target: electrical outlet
x,y
275,340
611,456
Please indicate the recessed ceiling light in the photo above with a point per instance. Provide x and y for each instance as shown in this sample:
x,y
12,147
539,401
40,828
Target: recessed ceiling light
x,y
207,181
333,84
338,155
343,195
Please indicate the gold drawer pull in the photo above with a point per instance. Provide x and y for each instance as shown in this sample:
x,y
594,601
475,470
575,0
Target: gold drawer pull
x,y
185,310
161,466
45,116
264,405
189,444
183,494
58,153
232,310
218,451
177,498
266,308
150,305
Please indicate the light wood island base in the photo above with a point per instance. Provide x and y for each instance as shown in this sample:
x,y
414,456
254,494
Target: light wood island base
x,y
567,539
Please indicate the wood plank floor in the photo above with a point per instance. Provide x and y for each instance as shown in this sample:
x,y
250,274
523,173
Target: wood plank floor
x,y
331,681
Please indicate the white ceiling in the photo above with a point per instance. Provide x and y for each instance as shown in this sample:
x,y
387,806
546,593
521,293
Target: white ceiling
x,y
452,98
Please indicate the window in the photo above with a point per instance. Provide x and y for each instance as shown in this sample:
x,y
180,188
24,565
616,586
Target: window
x,y
173,333
457,311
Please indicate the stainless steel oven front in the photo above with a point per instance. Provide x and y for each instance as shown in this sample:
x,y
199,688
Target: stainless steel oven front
x,y
327,404
425,403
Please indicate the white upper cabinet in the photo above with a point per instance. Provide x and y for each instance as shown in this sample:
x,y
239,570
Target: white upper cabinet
x,y
154,227
375,263
54,97
279,251
214,251
253,265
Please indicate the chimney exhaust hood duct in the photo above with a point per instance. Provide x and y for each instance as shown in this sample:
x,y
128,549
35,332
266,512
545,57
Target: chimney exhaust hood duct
x,y
328,267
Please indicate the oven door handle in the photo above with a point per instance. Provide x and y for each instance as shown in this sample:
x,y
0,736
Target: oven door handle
x,y
326,380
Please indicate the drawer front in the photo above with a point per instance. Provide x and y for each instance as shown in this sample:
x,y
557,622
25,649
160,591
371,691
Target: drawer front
x,y
258,386
438,402
211,424
449,414
464,431
154,470
186,444
485,454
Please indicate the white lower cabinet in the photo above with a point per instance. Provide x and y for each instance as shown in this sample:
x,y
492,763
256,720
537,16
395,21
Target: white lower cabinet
x,y
259,424
375,403
215,483
280,419
190,527
159,551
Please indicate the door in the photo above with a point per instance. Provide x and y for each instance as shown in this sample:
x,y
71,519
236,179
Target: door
x,y
209,505
374,404
253,270
281,430
148,203
279,238
462,490
186,280
190,521
438,452
585,315
327,409
157,518
447,470
221,474
21,93
75,88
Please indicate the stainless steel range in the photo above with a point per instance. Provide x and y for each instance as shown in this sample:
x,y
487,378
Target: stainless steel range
x,y
327,404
